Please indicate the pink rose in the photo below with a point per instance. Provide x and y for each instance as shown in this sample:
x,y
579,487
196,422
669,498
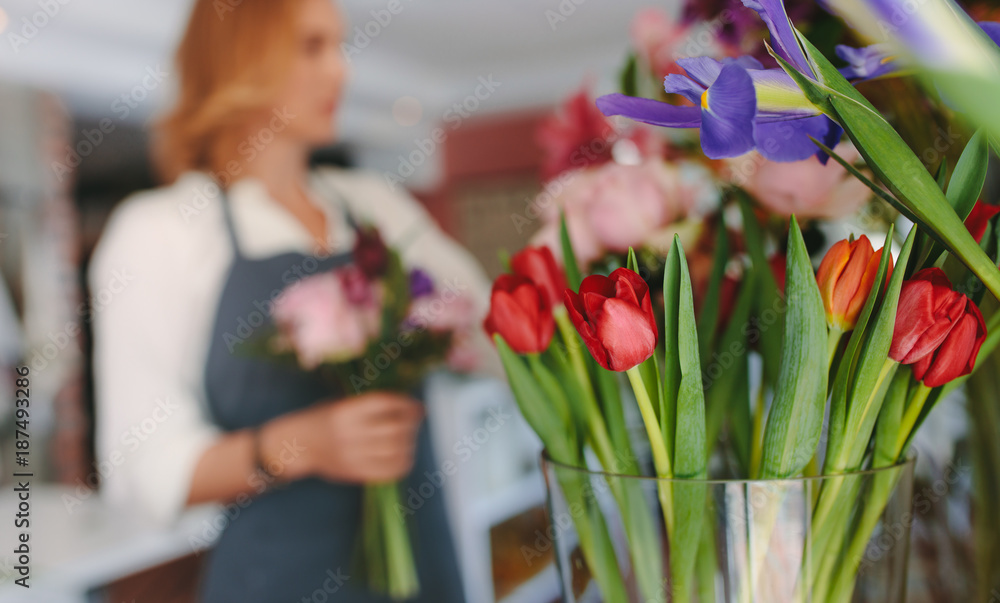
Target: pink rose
x,y
322,322
806,188
614,207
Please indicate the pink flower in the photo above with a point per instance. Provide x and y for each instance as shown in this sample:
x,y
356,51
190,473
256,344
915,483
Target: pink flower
x,y
328,317
579,135
657,39
614,207
805,188
442,313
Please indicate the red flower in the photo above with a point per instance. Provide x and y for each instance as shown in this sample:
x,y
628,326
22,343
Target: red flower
x,y
846,277
957,355
614,315
980,217
370,252
580,136
520,313
539,265
938,330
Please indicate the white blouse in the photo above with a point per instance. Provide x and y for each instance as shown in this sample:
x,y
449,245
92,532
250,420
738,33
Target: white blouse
x,y
156,277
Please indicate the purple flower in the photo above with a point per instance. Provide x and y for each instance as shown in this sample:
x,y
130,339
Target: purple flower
x,y
421,283
867,63
741,107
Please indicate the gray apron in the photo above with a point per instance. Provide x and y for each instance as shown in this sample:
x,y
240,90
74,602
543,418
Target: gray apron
x,y
297,542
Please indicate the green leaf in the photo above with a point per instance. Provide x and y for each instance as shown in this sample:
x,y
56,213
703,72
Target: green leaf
x,y
535,405
709,323
689,459
571,266
967,182
796,417
689,444
889,418
672,365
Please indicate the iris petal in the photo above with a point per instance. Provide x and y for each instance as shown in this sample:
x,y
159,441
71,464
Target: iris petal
x,y
650,111
683,85
790,140
727,128
772,12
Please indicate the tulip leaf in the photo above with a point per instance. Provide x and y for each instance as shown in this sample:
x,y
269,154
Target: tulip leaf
x,y
889,418
769,294
795,420
536,406
573,278
709,323
893,162
874,369
842,380
671,334
689,460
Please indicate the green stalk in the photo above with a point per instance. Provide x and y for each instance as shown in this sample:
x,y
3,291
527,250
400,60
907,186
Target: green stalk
x,y
833,342
661,458
401,571
911,415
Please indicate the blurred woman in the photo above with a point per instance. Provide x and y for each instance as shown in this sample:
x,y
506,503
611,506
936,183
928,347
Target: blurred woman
x,y
191,416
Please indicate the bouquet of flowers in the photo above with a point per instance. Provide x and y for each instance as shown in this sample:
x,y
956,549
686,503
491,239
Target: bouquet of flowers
x,y
853,357
372,325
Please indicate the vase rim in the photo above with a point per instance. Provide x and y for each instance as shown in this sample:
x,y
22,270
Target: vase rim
x,y
910,462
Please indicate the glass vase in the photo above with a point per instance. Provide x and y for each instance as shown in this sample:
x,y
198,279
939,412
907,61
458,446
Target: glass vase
x,y
826,539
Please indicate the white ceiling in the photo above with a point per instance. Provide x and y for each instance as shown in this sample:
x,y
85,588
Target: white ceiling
x,y
92,51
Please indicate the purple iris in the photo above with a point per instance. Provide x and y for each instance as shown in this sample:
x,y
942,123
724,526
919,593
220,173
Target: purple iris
x,y
421,283
740,105
866,63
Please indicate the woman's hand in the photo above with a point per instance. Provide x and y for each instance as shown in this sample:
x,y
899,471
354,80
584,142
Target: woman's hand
x,y
367,438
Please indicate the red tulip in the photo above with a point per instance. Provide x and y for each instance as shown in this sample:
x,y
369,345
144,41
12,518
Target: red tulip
x,y
928,310
520,313
980,217
957,355
846,277
539,265
614,315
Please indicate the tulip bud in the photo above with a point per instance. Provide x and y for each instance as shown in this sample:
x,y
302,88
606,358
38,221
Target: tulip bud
x,y
938,330
614,316
539,265
846,277
520,313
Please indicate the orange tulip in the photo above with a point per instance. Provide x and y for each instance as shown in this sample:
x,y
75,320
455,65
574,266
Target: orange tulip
x,y
846,277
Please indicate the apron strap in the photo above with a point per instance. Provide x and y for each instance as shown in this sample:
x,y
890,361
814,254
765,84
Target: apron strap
x,y
228,215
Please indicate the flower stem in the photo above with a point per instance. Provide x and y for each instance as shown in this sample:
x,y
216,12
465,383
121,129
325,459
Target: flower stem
x,y
911,415
661,458
833,344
